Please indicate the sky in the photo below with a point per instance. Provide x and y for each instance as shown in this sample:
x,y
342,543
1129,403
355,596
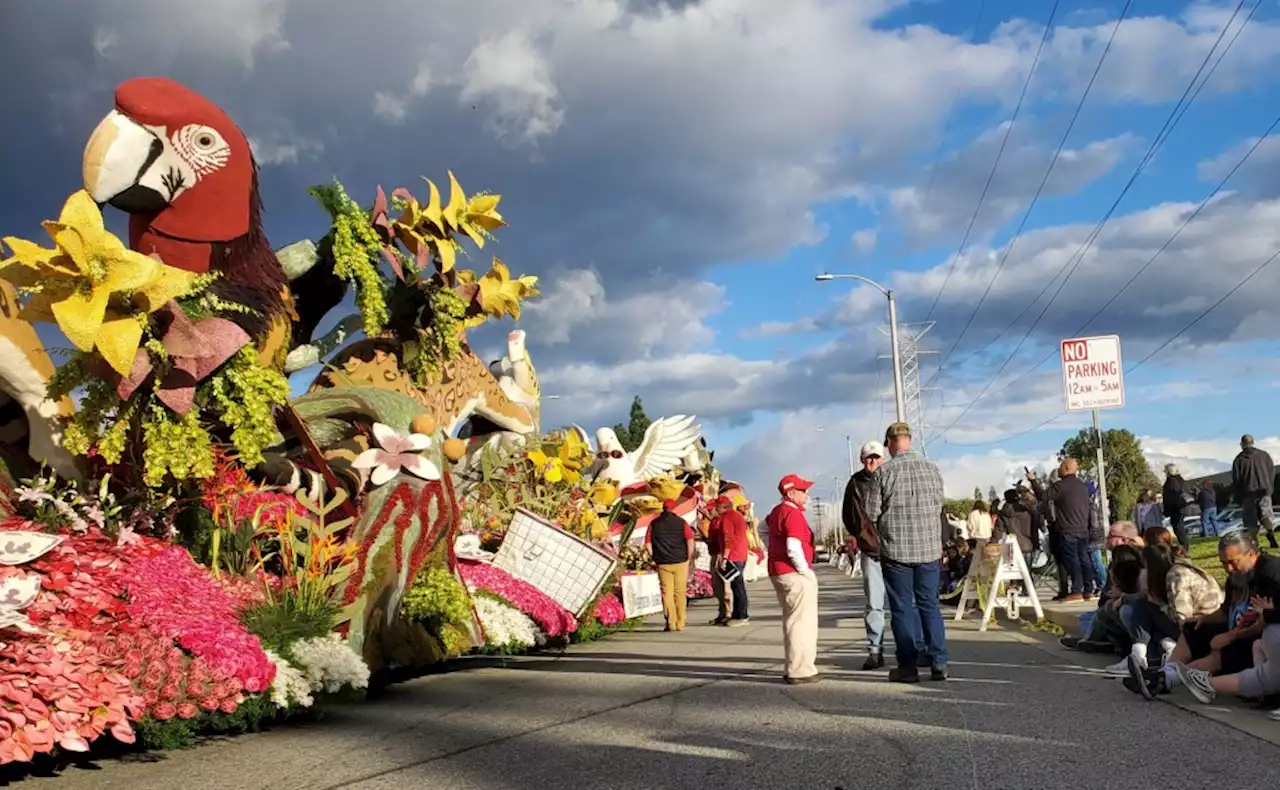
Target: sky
x,y
678,171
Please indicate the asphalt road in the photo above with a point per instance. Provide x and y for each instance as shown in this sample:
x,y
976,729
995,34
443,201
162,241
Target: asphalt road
x,y
706,710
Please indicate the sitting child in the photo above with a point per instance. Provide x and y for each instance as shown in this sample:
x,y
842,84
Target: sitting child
x,y
1106,633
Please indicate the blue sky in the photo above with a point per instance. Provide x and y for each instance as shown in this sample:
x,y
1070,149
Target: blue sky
x,y
678,171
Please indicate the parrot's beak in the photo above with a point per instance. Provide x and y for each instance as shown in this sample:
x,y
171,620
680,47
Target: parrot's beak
x,y
119,153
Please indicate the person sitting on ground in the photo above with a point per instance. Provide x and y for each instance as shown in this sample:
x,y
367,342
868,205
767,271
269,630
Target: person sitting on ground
x,y
1175,590
1259,681
1105,632
1124,533
955,562
1155,536
1224,642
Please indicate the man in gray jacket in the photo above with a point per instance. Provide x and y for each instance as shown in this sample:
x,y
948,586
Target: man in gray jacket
x,y
1253,479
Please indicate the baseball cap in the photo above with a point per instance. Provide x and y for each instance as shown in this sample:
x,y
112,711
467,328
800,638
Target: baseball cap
x,y
872,448
794,482
897,429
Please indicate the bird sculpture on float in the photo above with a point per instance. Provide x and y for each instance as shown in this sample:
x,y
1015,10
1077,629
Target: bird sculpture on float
x,y
666,443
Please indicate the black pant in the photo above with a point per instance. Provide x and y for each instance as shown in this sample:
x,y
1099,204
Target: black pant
x,y
1075,555
1180,530
739,587
1147,623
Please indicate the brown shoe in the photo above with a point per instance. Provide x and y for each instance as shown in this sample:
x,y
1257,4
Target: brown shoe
x,y
802,681
1073,598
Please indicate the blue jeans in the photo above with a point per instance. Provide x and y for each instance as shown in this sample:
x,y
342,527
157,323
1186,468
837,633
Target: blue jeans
x,y
1209,522
739,588
1099,570
914,612
873,590
1075,555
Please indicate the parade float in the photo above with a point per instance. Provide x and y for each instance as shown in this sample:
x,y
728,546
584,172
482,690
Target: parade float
x,y
188,547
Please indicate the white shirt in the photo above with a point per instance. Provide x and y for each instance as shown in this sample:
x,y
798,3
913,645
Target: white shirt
x,y
980,526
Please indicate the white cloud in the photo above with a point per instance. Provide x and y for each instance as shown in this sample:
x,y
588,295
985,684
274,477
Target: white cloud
x,y
863,241
390,107
235,30
274,150
510,74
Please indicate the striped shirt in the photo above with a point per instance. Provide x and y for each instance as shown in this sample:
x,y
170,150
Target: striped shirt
x,y
905,502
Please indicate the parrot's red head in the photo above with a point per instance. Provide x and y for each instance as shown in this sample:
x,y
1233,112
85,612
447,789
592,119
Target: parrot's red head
x,y
175,160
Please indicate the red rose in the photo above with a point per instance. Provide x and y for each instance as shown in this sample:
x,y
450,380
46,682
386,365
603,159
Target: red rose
x,y
197,690
170,692
163,711
187,710
220,690
151,682
227,705
209,703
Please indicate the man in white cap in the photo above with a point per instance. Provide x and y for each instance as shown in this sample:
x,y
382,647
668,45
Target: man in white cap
x,y
863,531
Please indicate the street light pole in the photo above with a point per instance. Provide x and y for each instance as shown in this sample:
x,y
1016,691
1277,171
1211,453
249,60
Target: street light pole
x,y
899,393
848,444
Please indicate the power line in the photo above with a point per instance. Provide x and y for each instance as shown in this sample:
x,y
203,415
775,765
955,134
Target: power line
x,y
1179,110
1048,27
1039,190
1187,327
1161,137
1187,221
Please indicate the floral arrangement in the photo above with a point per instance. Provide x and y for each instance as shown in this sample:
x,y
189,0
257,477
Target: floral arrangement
x,y
699,585
609,610
506,628
174,597
329,664
429,302
553,619
289,687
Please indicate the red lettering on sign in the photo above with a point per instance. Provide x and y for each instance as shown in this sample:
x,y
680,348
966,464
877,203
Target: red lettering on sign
x,y
1075,350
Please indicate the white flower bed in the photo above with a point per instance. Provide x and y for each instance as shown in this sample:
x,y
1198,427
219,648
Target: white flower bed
x,y
505,626
289,688
328,663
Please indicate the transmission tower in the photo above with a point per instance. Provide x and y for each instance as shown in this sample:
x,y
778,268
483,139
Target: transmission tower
x,y
912,393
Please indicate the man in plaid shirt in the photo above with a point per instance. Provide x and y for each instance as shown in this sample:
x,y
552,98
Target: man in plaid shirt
x,y
905,502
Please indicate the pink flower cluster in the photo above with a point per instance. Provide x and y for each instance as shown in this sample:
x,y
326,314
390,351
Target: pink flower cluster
x,y
609,610
61,691
554,619
699,585
172,683
174,597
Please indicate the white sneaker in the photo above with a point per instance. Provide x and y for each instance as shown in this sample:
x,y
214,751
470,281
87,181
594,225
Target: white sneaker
x,y
1196,681
1166,650
1120,669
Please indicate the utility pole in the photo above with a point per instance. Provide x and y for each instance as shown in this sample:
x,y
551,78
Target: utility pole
x,y
1102,470
899,394
906,341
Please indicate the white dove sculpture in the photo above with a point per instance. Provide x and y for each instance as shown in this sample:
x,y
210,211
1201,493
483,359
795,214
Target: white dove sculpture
x,y
666,442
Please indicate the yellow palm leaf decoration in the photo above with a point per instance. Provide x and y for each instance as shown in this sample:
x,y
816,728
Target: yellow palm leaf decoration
x,y
499,294
97,290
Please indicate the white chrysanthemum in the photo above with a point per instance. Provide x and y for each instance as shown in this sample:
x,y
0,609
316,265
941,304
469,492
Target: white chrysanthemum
x,y
289,688
505,625
329,663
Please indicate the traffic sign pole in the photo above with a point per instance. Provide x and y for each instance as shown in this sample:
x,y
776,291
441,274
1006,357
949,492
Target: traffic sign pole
x,y
1102,473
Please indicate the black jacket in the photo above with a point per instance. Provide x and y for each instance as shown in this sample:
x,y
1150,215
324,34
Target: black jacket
x,y
1072,505
1174,491
1015,519
854,514
1253,472
668,539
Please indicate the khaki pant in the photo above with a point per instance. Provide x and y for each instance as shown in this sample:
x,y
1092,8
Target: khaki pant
x,y
674,580
798,597
723,594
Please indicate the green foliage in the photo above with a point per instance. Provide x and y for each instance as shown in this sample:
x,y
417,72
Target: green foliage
x,y
434,329
250,716
247,393
632,434
195,532
356,253
958,508
977,492
283,622
593,629
438,599
1127,469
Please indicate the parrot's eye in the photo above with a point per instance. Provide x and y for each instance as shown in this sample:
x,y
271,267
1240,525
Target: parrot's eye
x,y
204,140
202,148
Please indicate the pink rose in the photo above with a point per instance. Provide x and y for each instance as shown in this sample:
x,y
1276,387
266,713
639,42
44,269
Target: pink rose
x,y
151,681
187,710
170,692
150,698
209,703
254,684
228,705
197,690
164,711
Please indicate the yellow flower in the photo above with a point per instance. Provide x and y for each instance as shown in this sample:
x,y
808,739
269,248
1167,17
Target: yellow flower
x,y
93,287
603,494
574,454
499,294
551,468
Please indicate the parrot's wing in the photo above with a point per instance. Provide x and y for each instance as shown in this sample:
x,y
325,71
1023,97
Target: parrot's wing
x,y
665,444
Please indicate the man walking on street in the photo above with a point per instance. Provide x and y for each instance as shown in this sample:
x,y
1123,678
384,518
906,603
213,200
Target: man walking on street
x,y
733,526
1253,477
791,571
1076,517
905,502
863,530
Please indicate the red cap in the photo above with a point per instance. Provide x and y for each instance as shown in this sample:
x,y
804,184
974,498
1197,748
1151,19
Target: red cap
x,y
668,504
793,482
